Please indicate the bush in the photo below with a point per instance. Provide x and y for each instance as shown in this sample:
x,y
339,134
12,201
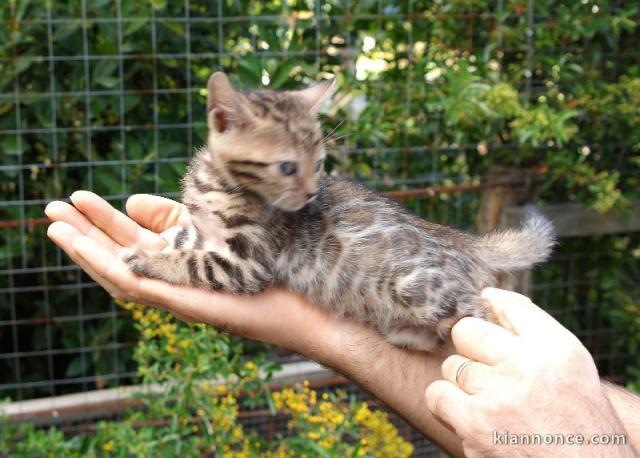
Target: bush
x,y
206,381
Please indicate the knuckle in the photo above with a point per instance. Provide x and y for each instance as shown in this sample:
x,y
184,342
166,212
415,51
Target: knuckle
x,y
465,377
479,426
484,338
449,365
572,354
434,395
480,417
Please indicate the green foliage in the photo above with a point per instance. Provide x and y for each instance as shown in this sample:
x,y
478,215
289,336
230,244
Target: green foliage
x,y
206,379
431,93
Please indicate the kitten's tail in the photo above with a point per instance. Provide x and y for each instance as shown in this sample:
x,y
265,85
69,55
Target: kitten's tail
x,y
516,249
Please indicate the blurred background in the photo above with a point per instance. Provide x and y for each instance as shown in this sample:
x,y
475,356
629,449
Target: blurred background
x,y
464,110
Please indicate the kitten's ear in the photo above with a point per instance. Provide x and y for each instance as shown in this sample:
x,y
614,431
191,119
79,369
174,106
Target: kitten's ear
x,y
315,96
224,106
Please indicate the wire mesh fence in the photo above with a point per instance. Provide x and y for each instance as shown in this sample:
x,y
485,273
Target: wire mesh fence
x,y
109,96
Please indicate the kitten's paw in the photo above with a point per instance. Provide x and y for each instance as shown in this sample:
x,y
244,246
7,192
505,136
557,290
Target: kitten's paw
x,y
170,235
136,260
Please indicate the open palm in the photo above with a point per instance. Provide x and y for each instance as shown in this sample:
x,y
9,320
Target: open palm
x,y
94,234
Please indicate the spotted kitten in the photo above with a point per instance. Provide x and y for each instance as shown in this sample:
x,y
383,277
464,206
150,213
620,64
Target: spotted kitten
x,y
265,215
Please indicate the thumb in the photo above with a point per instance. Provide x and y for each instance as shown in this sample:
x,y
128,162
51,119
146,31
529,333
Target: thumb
x,y
157,213
518,314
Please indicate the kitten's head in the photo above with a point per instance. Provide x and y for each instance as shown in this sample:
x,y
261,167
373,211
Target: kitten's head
x,y
268,142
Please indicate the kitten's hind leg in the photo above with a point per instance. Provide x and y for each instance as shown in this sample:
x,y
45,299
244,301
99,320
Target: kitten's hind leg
x,y
416,337
437,338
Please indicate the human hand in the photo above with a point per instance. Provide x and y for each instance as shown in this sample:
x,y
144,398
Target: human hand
x,y
94,235
531,376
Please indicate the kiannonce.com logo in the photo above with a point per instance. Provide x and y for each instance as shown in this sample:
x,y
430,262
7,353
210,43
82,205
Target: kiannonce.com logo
x,y
524,439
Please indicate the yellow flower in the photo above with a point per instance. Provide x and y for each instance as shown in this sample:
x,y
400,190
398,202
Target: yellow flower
x,y
221,389
327,442
237,434
108,446
380,437
325,407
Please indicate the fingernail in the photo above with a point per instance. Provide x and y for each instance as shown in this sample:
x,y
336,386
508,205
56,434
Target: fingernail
x,y
59,229
53,207
79,194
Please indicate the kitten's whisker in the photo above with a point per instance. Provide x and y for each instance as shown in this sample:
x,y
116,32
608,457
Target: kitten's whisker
x,y
335,139
334,129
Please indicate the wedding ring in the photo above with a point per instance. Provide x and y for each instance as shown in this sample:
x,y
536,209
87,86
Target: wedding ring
x,y
460,369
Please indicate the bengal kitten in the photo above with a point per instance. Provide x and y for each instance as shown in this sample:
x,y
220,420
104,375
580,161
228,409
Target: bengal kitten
x,y
264,214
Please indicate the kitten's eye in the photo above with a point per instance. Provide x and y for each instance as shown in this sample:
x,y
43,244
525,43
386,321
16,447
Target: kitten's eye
x,y
318,166
288,168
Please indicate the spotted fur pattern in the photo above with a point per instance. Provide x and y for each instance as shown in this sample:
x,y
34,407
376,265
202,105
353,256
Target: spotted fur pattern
x,y
345,248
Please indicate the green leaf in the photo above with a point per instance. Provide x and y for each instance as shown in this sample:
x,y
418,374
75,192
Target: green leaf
x,y
75,367
158,4
9,145
65,30
108,81
281,74
250,70
135,24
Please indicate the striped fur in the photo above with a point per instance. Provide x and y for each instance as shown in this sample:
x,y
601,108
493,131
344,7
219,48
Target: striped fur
x,y
353,252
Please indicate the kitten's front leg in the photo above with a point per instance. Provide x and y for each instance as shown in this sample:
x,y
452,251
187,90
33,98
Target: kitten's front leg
x,y
204,269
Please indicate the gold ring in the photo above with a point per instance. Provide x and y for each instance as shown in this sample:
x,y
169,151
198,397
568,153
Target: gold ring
x,y
460,369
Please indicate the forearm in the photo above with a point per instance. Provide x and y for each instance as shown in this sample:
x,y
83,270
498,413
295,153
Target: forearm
x,y
627,408
395,376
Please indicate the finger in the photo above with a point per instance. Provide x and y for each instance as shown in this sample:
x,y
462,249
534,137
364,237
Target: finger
x,y
469,375
62,211
448,403
114,223
482,341
62,234
157,213
516,312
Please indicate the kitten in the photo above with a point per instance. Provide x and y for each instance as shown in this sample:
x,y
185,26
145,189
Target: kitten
x,y
265,215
